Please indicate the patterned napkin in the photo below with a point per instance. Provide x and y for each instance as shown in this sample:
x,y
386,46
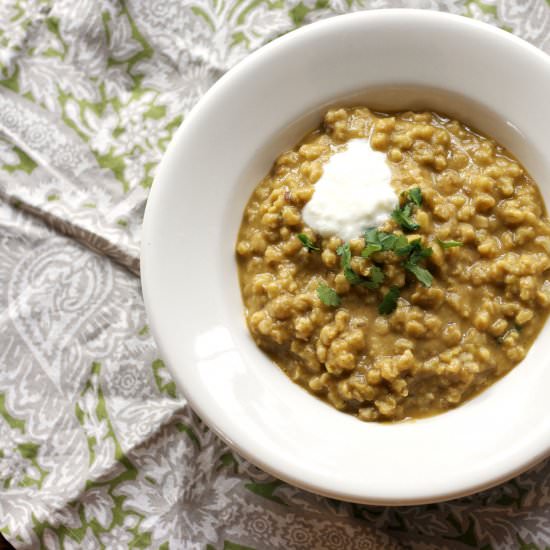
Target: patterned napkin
x,y
97,449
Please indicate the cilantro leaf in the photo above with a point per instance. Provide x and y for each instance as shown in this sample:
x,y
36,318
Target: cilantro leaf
x,y
418,251
307,242
387,240
371,248
415,195
403,216
328,295
352,277
380,238
375,241
375,279
402,246
415,250
421,273
345,253
389,302
371,235
449,244
376,275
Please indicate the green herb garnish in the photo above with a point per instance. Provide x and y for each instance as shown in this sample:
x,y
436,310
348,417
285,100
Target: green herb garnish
x,y
345,254
417,252
415,249
379,240
376,241
328,295
371,248
387,240
406,247
415,195
389,302
352,277
421,273
373,281
307,242
449,244
403,216
413,252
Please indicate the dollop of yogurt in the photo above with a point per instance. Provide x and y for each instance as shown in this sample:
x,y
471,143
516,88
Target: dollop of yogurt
x,y
353,193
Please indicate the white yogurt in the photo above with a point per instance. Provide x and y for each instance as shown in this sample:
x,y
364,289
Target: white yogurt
x,y
353,193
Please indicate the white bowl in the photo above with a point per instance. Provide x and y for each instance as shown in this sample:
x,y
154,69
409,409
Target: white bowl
x,y
387,59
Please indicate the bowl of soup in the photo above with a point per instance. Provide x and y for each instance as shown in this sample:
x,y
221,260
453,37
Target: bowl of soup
x,y
346,257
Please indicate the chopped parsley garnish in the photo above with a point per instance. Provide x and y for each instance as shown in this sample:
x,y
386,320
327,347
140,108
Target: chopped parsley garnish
x,y
389,302
402,247
421,273
328,295
345,254
415,195
352,277
376,241
417,252
403,216
371,248
414,249
373,281
308,243
412,253
449,244
406,247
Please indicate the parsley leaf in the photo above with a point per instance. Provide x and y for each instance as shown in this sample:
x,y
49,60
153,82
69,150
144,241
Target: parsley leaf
x,y
371,235
384,240
352,277
345,253
402,246
376,277
307,242
403,216
417,253
387,240
449,244
389,302
328,295
415,195
415,250
371,248
421,273
375,241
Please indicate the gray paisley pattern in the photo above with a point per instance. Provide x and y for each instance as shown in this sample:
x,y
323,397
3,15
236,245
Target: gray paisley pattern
x,y
97,449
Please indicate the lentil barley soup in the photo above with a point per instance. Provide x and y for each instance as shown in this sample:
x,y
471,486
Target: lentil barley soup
x,y
413,316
